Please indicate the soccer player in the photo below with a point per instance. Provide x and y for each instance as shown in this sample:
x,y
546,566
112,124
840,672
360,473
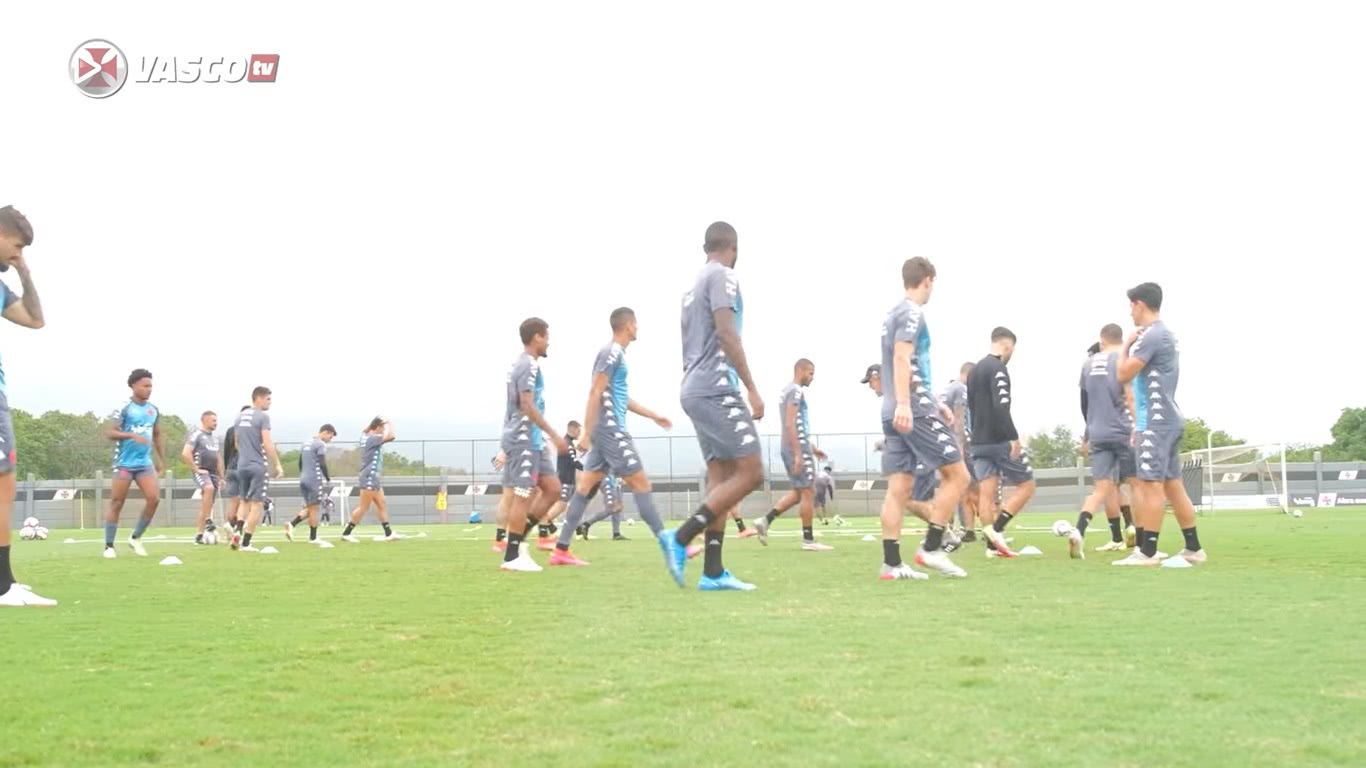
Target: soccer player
x,y
825,492
955,398
925,483
915,438
799,457
567,466
254,447
313,480
608,449
1150,362
16,234
231,488
525,428
714,368
1124,489
1107,439
377,435
201,452
138,458
996,453
611,507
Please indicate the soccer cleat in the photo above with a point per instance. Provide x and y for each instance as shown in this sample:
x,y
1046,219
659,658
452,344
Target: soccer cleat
x,y
289,531
748,532
969,536
1137,558
900,572
562,557
619,537
939,561
840,521
521,564
249,548
499,546
19,596
1002,548
815,546
1194,558
350,539
694,550
390,537
761,530
1130,537
109,553
582,532
545,543
1112,546
137,547
952,540
1075,546
675,555
723,583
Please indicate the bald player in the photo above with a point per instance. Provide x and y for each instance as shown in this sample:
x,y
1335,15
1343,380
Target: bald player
x,y
799,456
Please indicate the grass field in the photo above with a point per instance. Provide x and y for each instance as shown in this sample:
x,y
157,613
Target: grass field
x,y
420,652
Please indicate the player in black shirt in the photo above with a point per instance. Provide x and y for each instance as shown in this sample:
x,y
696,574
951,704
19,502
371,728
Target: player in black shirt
x,y
230,484
996,450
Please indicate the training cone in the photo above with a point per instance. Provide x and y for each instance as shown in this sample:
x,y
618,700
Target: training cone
x,y
325,545
270,551
69,541
171,560
870,537
1175,562
1030,550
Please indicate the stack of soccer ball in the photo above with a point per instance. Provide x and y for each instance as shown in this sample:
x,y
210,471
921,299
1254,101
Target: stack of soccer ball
x,y
32,530
210,532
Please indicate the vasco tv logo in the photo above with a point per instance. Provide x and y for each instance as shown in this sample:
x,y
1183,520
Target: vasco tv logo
x,y
100,69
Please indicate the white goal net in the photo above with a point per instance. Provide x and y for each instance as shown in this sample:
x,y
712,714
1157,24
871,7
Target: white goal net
x,y
1241,477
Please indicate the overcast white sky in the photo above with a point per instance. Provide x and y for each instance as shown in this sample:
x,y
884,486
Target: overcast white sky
x,y
429,173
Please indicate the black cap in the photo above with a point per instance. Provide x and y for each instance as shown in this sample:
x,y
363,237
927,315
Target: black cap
x,y
873,370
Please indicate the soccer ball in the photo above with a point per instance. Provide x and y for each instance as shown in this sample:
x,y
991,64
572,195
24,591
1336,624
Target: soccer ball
x,y
28,532
1062,528
31,522
210,537
41,533
1298,513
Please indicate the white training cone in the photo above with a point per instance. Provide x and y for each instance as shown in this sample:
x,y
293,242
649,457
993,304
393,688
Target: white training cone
x,y
325,544
1030,550
270,551
171,560
421,535
870,537
1175,562
69,541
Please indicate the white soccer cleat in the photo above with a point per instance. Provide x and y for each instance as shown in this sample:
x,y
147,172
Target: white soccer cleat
x,y
1137,558
815,546
289,531
109,553
19,596
939,562
350,539
137,547
1075,546
761,528
522,564
251,548
900,572
1113,546
1194,558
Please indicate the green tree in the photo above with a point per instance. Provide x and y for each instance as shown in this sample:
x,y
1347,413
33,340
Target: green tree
x,y
1349,440
1058,449
1198,437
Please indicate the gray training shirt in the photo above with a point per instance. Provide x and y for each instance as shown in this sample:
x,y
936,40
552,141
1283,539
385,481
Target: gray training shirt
x,y
705,369
794,395
1107,415
251,449
203,449
906,322
312,460
1155,386
371,455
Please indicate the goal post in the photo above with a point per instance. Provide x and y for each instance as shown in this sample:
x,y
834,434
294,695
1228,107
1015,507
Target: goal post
x,y
1244,476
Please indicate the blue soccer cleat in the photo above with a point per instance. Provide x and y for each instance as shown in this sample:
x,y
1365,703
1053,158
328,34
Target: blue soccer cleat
x,y
722,583
675,555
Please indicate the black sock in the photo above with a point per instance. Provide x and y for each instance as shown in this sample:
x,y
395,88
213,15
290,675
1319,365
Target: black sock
x,y
349,528
1192,539
934,538
1002,520
531,522
543,530
807,534
246,540
1116,531
891,552
514,545
1149,545
387,530
238,525
502,534
1127,514
772,515
6,575
312,533
1083,520
297,519
199,538
693,526
740,524
711,566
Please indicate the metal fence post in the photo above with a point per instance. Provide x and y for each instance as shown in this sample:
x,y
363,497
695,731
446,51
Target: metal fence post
x,y
28,498
1318,477
99,498
168,495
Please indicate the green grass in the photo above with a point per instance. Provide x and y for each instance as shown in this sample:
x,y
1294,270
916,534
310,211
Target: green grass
x,y
420,652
